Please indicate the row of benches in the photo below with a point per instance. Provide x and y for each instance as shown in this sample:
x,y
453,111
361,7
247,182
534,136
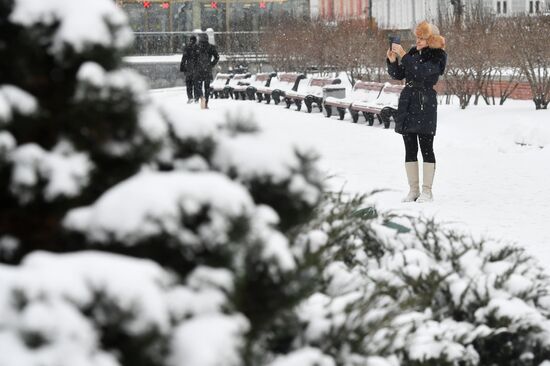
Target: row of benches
x,y
371,99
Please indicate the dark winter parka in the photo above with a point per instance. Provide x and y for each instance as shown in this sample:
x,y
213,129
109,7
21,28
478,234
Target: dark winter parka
x,y
188,59
207,57
417,109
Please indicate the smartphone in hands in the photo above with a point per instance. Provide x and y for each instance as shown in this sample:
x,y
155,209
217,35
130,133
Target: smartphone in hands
x,y
394,39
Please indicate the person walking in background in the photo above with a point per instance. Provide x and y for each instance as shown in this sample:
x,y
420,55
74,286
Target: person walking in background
x,y
207,57
416,117
187,66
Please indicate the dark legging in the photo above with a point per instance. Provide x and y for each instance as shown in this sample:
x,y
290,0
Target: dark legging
x,y
426,146
190,84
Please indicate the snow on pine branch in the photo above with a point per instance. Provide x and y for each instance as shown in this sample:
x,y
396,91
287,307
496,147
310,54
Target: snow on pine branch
x,y
64,171
307,356
95,85
15,100
103,85
252,158
150,203
7,144
56,307
76,20
209,340
153,204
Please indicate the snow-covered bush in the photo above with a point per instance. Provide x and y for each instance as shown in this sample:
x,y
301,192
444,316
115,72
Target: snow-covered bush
x,y
184,220
416,293
238,149
73,122
89,162
198,243
101,309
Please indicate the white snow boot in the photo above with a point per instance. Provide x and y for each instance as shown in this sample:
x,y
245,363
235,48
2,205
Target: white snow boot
x,y
427,181
412,177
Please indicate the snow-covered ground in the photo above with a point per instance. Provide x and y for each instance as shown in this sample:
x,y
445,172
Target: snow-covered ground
x,y
493,162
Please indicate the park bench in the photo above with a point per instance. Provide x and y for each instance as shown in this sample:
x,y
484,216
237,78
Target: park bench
x,y
384,107
310,93
218,84
279,86
364,91
235,81
248,89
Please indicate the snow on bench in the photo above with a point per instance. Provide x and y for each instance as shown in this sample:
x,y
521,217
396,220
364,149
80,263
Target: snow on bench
x,y
217,86
364,91
235,81
248,88
310,92
279,86
384,107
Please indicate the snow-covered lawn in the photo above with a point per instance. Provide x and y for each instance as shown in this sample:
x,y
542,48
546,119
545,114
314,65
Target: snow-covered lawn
x,y
493,162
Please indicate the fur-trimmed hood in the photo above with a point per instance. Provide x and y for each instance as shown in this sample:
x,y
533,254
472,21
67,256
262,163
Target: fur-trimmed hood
x,y
430,33
436,42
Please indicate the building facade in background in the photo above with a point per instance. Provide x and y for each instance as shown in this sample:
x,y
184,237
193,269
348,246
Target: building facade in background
x,y
220,15
339,9
253,15
404,14
514,7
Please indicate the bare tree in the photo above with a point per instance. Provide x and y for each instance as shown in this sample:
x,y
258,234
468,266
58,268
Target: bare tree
x,y
355,47
505,76
376,46
458,10
360,50
505,82
460,72
319,48
530,50
479,29
477,58
350,56
282,43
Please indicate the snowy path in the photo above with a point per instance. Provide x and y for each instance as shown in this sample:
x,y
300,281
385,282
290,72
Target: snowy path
x,y
485,182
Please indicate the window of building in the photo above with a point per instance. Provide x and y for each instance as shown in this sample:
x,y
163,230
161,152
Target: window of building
x,y
531,7
498,7
504,7
537,6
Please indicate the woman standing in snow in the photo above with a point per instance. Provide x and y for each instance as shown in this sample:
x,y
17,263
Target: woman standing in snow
x,y
416,116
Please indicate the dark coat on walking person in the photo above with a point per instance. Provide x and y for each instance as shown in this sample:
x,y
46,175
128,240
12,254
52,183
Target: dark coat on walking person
x,y
207,57
417,108
188,66
189,59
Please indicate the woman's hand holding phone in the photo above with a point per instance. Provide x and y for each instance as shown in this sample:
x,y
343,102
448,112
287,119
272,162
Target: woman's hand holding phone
x,y
398,50
391,56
